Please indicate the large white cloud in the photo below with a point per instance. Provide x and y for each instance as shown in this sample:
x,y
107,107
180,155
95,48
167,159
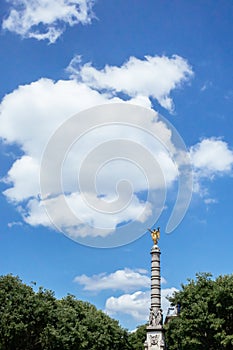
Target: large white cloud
x,y
154,76
86,221
31,114
137,304
29,117
46,19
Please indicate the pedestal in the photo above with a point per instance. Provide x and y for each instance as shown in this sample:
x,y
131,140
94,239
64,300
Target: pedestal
x,y
154,338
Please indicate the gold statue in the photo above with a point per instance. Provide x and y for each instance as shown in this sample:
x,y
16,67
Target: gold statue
x,y
155,234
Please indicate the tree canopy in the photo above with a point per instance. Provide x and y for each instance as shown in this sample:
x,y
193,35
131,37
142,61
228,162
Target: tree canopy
x,y
137,338
206,315
32,320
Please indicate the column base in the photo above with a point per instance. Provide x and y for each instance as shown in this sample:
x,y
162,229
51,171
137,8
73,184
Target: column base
x,y
154,338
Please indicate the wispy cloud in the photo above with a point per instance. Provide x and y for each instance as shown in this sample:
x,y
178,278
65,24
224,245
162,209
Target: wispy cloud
x,y
46,19
206,85
229,95
14,223
210,201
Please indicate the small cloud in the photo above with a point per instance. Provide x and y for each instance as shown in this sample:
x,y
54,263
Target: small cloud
x,y
125,280
137,305
14,223
46,19
206,85
210,201
211,156
229,95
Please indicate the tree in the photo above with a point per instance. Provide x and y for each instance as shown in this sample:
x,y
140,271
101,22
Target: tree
x,y
138,338
206,315
23,314
32,320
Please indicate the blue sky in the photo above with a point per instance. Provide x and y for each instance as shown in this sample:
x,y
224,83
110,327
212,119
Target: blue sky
x,y
61,58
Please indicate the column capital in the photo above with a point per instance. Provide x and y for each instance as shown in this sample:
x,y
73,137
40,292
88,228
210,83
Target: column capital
x,y
155,249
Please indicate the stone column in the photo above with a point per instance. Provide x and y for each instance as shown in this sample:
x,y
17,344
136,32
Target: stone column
x,y
155,332
155,278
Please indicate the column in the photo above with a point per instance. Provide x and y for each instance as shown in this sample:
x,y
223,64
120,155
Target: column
x,y
155,278
154,331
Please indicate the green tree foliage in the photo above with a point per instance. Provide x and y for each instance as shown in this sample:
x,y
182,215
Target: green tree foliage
x,y
138,338
32,320
206,315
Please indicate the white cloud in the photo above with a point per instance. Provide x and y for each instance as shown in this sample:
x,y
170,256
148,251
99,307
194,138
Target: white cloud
x,y
46,19
125,280
210,201
154,76
211,156
73,221
29,117
32,113
206,86
137,304
14,223
23,189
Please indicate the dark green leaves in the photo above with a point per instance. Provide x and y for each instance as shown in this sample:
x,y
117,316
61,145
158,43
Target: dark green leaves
x,y
38,321
206,317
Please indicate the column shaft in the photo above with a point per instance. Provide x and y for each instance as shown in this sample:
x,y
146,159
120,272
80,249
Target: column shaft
x,y
155,278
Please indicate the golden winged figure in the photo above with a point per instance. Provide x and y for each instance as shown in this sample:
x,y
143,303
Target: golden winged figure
x,y
155,234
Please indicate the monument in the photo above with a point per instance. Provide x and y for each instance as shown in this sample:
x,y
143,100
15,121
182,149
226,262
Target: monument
x,y
154,330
